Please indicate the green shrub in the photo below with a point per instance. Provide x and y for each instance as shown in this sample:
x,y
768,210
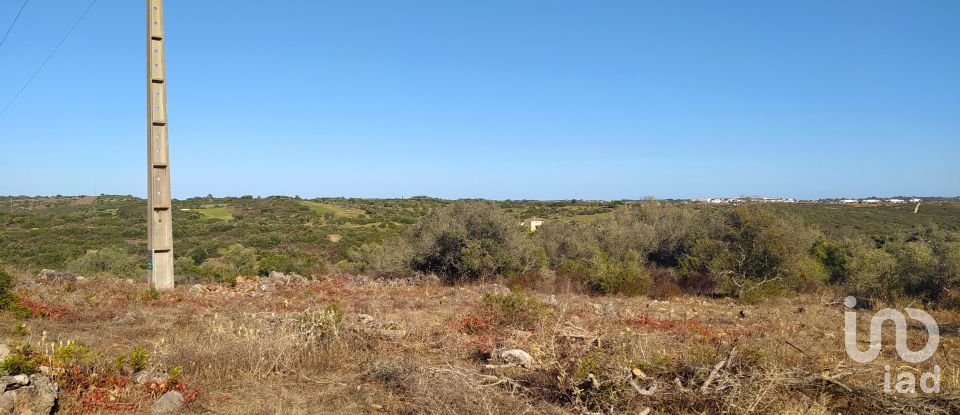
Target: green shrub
x,y
70,353
215,269
107,261
835,257
20,329
138,358
392,258
566,244
276,262
8,300
470,240
516,309
613,276
175,373
184,266
873,274
241,260
22,361
751,250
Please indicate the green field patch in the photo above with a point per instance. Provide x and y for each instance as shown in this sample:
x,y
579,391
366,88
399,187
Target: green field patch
x,y
322,209
220,212
589,218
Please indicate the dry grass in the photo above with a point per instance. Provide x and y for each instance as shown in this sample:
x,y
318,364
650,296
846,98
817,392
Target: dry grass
x,y
339,346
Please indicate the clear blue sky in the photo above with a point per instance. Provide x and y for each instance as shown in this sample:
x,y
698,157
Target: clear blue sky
x,y
497,99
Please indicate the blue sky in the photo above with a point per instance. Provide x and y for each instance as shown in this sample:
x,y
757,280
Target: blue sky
x,y
497,99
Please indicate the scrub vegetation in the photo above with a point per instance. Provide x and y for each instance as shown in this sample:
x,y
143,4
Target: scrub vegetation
x,y
621,306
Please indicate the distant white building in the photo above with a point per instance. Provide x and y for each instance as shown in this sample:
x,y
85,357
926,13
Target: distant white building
x,y
915,200
849,201
871,201
897,201
532,224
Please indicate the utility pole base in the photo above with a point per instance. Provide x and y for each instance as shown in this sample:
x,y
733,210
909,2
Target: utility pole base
x,y
161,276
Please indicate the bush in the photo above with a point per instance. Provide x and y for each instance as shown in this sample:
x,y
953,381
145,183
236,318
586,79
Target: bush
x,y
391,259
613,276
283,263
8,300
70,353
564,242
216,269
926,266
138,358
835,257
241,260
752,249
609,254
470,240
22,361
107,261
873,274
660,232
516,310
184,266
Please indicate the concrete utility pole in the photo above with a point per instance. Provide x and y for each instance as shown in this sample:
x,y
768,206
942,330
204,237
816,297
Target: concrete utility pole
x,y
160,227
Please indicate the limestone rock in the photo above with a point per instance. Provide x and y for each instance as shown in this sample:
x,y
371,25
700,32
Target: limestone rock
x,y
169,403
53,276
28,395
516,357
145,376
13,382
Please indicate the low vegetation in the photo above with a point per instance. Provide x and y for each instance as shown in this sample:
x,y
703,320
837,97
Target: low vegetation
x,y
621,307
654,248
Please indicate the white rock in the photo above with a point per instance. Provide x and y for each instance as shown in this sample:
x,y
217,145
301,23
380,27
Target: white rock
x,y
516,356
169,403
38,398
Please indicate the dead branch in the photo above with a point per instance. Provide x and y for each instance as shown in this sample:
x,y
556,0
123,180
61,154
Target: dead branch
x,y
716,370
649,391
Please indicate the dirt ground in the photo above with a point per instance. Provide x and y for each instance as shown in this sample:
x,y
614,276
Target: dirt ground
x,y
348,345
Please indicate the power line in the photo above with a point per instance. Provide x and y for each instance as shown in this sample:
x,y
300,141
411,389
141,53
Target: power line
x,y
14,23
37,72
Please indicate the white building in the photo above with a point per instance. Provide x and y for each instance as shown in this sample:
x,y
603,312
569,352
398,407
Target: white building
x,y
532,224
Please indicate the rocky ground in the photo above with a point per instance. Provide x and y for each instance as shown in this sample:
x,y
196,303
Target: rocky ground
x,y
345,344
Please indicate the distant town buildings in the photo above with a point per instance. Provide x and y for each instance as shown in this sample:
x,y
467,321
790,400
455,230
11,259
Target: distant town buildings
x,y
843,201
738,200
872,201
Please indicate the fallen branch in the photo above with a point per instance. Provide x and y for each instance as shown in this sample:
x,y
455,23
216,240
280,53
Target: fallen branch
x,y
482,380
649,391
573,332
716,370
498,367
795,347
